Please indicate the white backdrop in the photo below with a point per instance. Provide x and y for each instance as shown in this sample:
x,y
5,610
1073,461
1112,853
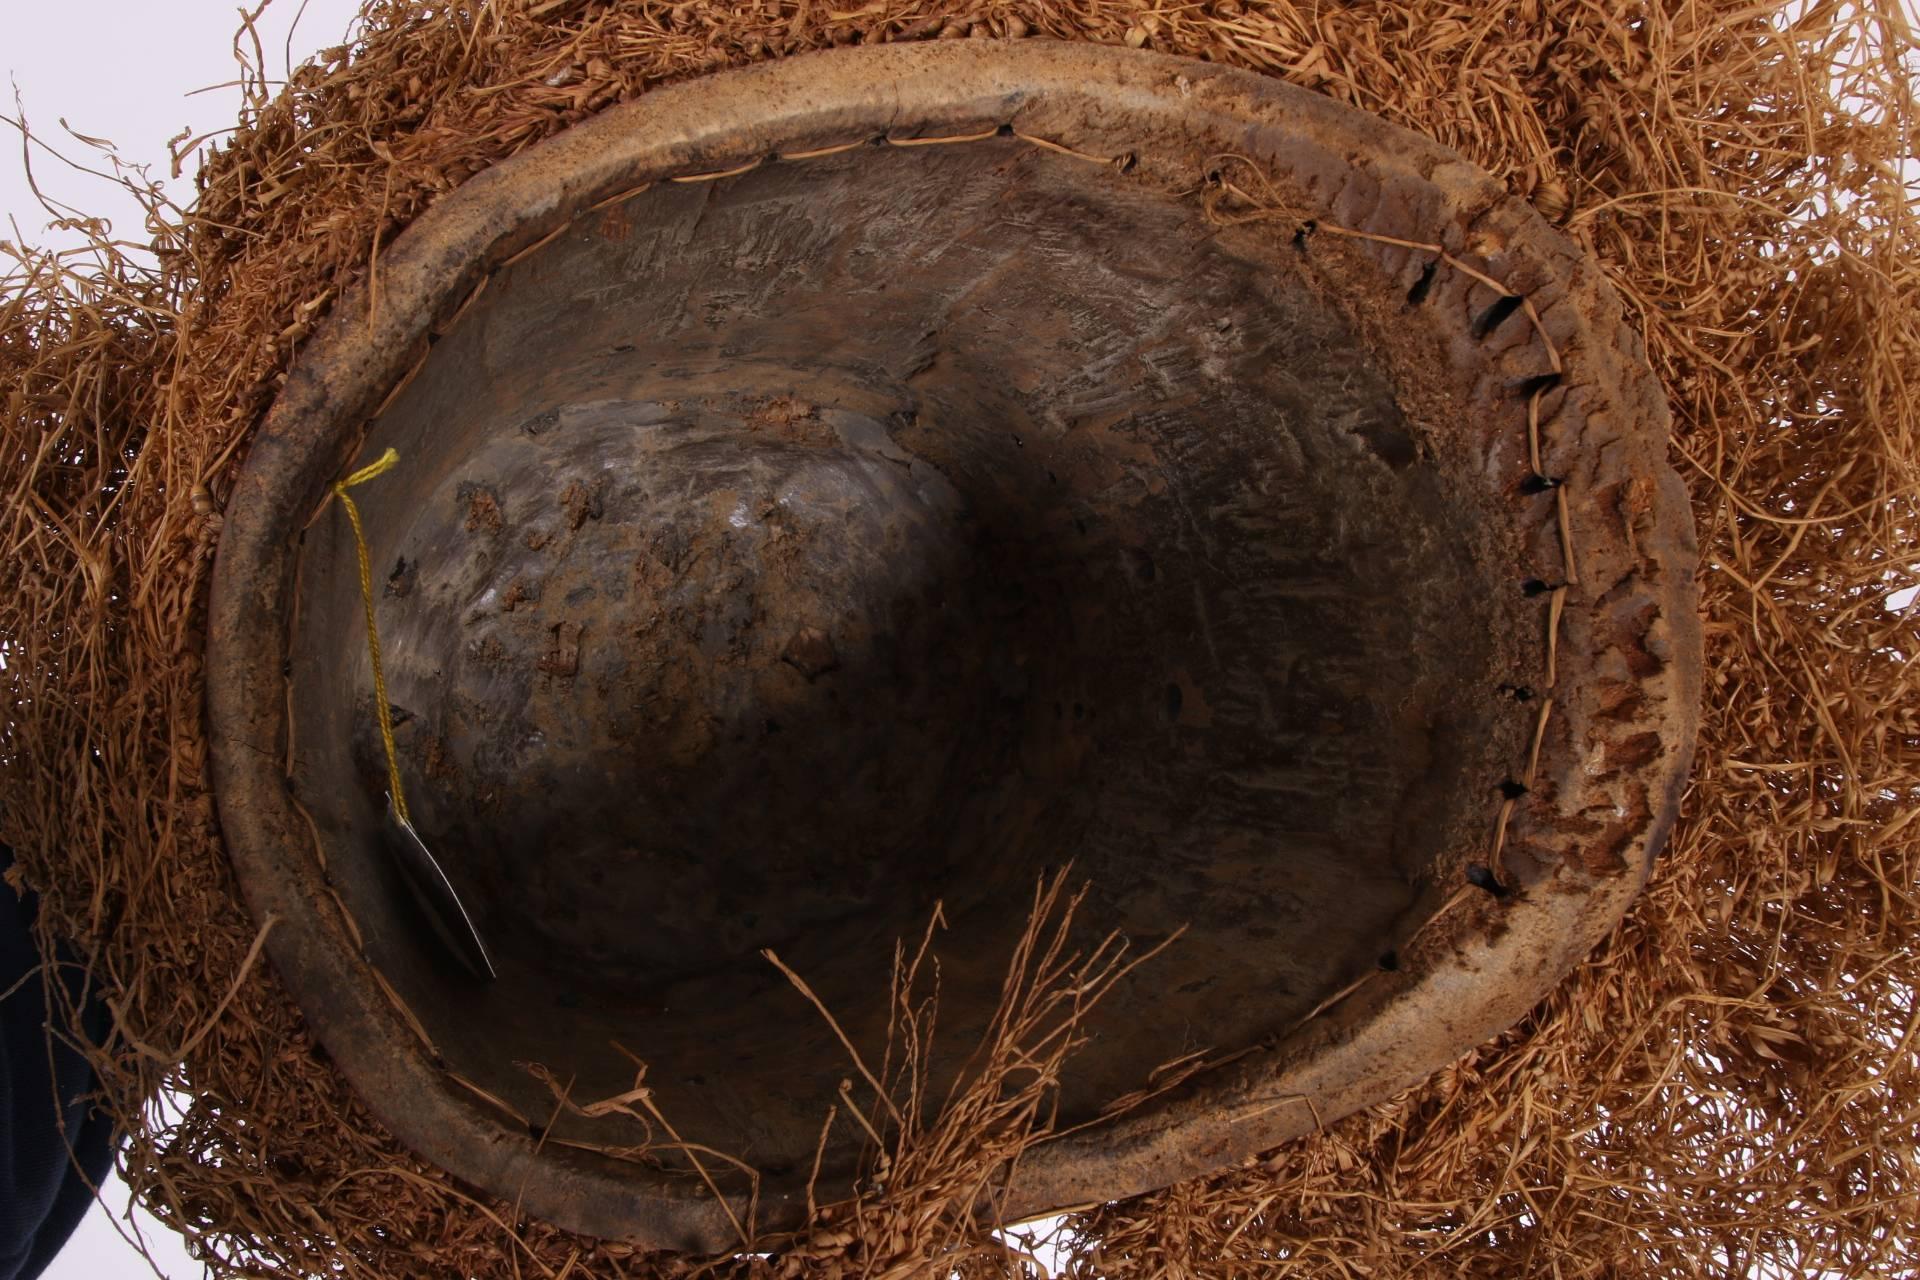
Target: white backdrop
x,y
128,71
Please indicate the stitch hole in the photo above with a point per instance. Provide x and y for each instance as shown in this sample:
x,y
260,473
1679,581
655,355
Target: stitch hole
x,y
1518,692
1424,285
1537,483
1481,876
1512,790
1495,315
1390,961
1004,131
1538,383
1307,228
1534,587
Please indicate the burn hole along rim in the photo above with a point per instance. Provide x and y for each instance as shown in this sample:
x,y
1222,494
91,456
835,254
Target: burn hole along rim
x,y
1534,366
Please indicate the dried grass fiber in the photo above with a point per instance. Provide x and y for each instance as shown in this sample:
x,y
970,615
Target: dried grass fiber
x,y
1728,1087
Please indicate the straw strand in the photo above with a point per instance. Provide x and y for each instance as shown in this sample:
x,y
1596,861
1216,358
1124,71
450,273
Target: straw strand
x,y
382,708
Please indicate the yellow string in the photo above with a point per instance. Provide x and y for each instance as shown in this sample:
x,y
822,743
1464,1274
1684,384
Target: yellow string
x,y
384,464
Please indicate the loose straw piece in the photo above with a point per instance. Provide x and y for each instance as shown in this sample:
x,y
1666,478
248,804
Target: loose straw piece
x,y
717,174
1566,535
942,141
1500,836
1556,607
1049,145
1533,431
1539,737
819,152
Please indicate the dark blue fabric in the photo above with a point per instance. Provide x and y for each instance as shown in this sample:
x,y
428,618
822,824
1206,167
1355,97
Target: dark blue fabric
x,y
42,1195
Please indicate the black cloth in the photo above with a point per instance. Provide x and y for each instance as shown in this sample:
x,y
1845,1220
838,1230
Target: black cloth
x,y
42,1195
